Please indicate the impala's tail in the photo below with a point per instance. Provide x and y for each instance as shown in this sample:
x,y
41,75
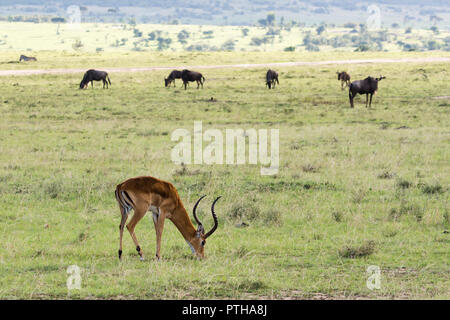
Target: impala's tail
x,y
124,200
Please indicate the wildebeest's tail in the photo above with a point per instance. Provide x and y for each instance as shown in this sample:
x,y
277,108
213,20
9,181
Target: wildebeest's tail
x,y
203,78
107,77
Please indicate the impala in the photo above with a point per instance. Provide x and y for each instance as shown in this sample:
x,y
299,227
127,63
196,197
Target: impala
x,y
144,194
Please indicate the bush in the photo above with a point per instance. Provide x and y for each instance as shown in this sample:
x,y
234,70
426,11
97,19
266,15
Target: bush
x,y
245,211
403,184
366,249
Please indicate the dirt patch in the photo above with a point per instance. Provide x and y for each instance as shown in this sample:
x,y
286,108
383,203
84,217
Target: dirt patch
x,y
441,97
233,66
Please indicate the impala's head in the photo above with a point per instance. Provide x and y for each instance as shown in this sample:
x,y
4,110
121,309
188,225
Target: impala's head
x,y
199,241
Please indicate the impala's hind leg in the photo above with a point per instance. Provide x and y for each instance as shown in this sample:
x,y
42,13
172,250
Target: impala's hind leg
x,y
121,227
139,213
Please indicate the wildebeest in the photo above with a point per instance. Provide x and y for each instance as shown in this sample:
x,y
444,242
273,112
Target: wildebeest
x,y
96,75
367,86
175,74
345,79
271,78
192,76
25,58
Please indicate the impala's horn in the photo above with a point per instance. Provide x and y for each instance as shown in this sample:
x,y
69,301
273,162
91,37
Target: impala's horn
x,y
216,223
200,226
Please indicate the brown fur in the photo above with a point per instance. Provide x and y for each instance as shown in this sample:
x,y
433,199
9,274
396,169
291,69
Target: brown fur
x,y
148,191
345,79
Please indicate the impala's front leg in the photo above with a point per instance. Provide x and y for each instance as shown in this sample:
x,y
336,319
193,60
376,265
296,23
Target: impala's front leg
x,y
159,226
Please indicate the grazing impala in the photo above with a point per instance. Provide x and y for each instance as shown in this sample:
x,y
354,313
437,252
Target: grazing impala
x,y
144,194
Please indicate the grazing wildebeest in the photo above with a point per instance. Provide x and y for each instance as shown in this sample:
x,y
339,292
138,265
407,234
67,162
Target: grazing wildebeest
x,y
192,76
271,78
367,86
96,75
175,74
25,58
345,79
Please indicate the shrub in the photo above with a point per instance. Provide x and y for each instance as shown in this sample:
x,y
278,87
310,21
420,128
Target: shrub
x,y
366,249
245,211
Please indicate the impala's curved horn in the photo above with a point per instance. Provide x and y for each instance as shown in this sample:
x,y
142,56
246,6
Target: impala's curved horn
x,y
195,208
216,222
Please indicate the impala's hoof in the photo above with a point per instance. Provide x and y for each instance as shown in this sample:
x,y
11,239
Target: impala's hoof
x,y
141,258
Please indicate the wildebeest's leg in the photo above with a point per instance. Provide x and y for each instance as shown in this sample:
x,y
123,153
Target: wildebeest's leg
x,y
370,104
367,99
185,84
351,96
198,84
92,84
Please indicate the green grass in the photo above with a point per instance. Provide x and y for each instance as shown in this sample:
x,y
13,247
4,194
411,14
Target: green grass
x,y
356,187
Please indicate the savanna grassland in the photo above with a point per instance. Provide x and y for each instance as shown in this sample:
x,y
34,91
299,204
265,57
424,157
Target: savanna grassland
x,y
356,187
123,37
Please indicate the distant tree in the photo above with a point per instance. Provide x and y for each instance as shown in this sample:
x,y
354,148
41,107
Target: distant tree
x,y
312,47
137,33
320,29
256,41
245,32
163,43
182,36
433,45
228,45
58,20
362,48
270,19
350,25
208,34
262,22
434,29
408,30
289,49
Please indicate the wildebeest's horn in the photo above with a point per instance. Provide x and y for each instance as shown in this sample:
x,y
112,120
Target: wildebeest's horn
x,y
216,223
195,208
